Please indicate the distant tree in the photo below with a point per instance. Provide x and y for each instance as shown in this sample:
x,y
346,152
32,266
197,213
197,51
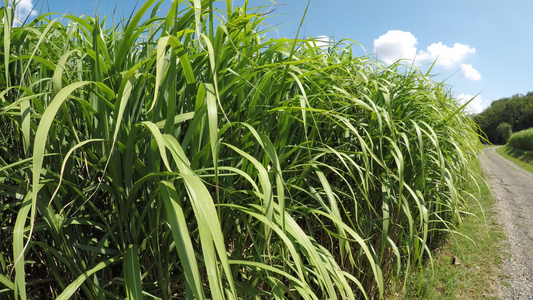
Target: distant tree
x,y
503,132
517,111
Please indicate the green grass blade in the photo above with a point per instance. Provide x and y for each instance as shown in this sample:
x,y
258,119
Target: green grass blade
x,y
6,282
19,246
75,285
162,44
41,137
210,233
211,236
301,287
178,226
159,140
60,69
25,115
132,273
267,195
130,35
7,15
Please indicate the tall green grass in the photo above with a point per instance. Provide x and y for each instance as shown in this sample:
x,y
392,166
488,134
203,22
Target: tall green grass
x,y
522,140
189,156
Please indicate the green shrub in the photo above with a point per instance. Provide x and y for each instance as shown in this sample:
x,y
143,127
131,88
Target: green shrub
x,y
522,140
503,132
177,157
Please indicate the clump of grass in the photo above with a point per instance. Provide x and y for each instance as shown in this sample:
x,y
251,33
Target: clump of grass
x,y
522,140
189,156
465,264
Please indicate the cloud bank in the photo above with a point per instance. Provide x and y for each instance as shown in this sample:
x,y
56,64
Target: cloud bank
x,y
397,44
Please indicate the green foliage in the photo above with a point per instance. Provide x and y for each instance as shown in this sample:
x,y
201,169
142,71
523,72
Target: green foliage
x,y
466,265
503,132
516,111
183,156
522,140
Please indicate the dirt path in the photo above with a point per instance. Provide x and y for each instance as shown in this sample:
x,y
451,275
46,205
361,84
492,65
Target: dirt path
x,y
513,189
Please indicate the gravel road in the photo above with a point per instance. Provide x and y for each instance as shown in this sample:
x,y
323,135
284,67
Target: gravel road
x,y
513,189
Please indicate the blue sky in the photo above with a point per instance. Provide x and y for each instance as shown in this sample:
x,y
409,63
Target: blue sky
x,y
482,47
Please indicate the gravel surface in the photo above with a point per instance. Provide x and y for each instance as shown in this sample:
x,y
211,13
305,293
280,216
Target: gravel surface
x,y
513,189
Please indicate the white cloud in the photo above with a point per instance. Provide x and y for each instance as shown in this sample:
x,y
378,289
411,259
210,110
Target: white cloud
x,y
23,9
474,106
446,56
470,73
395,45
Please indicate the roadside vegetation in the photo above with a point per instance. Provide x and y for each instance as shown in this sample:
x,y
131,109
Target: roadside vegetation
x,y
465,264
188,156
519,149
516,111
523,159
522,140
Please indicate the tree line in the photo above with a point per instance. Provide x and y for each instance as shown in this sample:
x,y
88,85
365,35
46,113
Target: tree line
x,y
504,116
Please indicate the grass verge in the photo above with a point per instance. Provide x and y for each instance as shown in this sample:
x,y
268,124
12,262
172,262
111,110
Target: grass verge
x,y
524,159
465,265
